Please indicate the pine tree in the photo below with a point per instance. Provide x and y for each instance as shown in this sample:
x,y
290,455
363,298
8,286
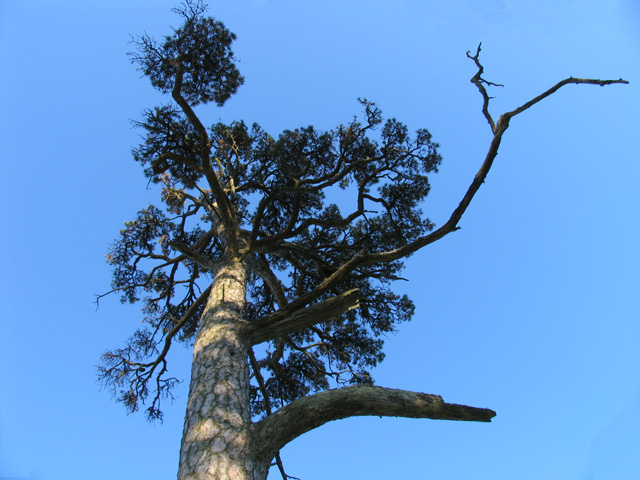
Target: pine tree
x,y
283,295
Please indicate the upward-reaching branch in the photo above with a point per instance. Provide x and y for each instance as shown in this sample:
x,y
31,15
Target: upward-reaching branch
x,y
224,204
366,258
480,82
562,83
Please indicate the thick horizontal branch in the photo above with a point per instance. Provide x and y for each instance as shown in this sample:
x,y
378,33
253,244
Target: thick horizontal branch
x,y
281,323
307,413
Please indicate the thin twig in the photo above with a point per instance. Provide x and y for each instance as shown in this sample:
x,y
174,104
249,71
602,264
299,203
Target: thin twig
x,y
480,82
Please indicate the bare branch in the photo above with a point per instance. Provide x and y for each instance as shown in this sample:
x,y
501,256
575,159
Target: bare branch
x,y
365,258
558,85
307,413
480,82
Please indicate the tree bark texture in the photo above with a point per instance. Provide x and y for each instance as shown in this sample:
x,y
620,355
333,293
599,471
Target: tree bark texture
x,y
220,441
307,413
216,438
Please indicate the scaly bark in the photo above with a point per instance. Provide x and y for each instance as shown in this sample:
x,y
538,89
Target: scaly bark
x,y
216,438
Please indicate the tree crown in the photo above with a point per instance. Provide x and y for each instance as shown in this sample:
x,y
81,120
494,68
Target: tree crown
x,y
197,59
231,190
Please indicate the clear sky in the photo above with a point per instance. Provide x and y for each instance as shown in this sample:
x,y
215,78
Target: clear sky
x,y
531,309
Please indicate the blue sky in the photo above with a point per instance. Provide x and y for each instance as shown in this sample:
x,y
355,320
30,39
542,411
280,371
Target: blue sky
x,y
531,309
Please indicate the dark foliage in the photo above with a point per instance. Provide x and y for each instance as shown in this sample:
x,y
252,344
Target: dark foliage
x,y
296,208
201,48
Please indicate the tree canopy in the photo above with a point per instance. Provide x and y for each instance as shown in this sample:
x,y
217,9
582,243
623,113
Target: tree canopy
x,y
307,231
235,188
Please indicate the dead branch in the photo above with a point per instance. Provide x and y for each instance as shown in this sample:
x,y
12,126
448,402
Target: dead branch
x,y
480,82
365,258
307,413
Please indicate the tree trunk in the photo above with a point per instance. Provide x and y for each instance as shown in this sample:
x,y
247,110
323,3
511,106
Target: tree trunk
x,y
216,439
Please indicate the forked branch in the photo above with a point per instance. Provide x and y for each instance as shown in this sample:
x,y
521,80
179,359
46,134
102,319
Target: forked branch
x,y
498,128
480,82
